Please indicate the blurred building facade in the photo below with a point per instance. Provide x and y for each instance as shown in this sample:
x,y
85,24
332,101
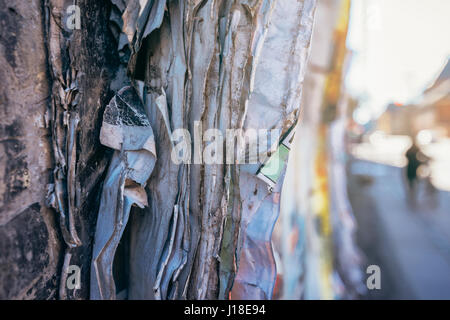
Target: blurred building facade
x,y
430,112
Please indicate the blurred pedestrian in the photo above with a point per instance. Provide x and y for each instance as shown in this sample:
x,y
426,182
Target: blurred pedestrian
x,y
415,158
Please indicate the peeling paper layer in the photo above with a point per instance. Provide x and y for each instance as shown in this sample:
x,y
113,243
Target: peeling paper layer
x,y
225,64
273,103
125,129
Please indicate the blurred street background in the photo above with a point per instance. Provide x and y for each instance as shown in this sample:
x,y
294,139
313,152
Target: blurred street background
x,y
411,245
402,76
368,182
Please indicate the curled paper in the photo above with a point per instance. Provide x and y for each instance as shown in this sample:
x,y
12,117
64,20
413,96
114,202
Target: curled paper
x,y
125,129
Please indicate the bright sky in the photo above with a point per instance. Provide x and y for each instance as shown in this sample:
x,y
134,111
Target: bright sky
x,y
399,47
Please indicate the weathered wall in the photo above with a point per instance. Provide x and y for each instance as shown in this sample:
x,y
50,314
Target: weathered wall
x,y
226,64
31,246
29,242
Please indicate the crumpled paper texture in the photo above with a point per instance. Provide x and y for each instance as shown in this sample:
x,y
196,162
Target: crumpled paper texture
x,y
226,65
127,130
